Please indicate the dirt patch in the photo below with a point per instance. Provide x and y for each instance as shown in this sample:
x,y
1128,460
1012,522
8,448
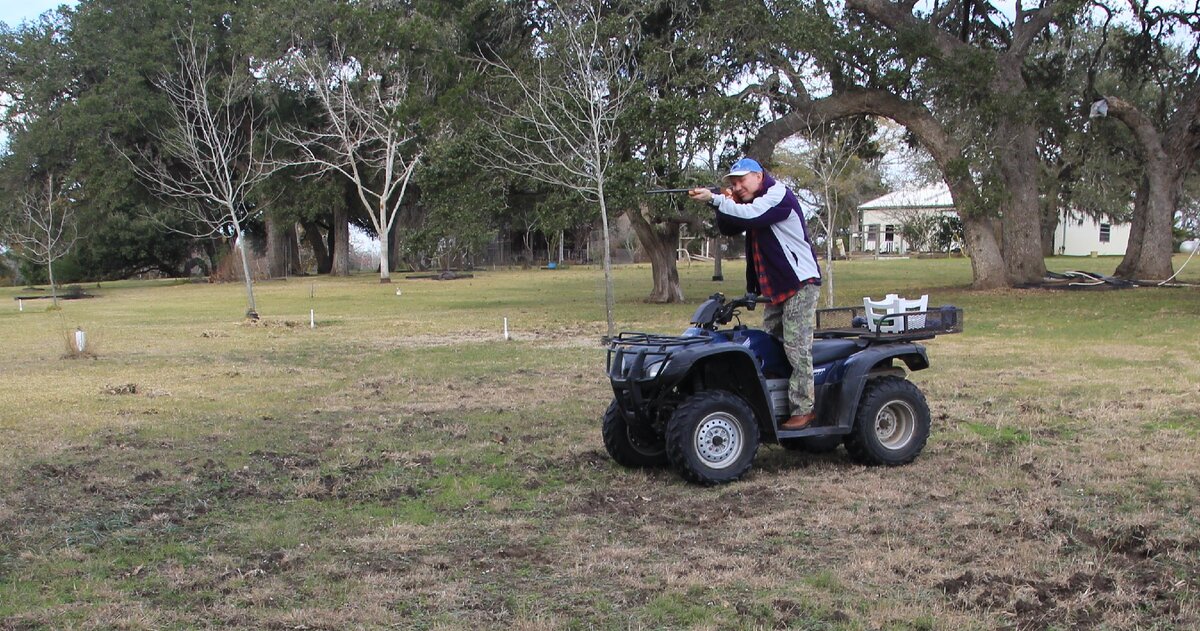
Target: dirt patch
x,y
616,504
273,323
56,472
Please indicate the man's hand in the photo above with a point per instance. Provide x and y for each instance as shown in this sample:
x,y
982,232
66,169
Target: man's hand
x,y
706,194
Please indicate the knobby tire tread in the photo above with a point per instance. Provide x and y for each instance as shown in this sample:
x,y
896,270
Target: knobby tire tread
x,y
679,436
878,392
614,431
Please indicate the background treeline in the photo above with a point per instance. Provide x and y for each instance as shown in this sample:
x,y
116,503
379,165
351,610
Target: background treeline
x,y
416,120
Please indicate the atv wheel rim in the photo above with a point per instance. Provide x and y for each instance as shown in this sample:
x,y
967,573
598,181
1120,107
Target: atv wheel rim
x,y
718,440
895,424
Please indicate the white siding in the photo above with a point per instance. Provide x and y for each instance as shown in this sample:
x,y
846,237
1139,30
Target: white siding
x,y
1080,236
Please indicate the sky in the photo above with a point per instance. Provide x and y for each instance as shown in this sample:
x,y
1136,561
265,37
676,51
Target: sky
x,y
13,12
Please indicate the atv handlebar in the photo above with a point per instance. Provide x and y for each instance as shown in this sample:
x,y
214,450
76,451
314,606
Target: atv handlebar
x,y
718,310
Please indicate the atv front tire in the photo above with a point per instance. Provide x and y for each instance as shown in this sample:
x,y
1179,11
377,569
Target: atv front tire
x,y
628,446
712,437
891,425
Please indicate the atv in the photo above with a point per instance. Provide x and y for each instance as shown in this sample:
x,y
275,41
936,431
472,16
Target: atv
x,y
703,401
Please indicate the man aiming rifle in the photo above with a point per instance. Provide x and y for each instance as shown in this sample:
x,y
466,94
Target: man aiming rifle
x,y
781,265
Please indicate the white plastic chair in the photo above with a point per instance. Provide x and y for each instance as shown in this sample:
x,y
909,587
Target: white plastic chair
x,y
893,304
876,309
914,306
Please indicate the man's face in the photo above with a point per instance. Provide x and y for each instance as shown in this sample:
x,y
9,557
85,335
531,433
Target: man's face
x,y
745,186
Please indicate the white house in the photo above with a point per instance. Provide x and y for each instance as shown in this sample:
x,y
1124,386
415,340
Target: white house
x,y
1076,235
883,216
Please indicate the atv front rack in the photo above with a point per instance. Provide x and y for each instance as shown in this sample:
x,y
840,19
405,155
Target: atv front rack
x,y
847,322
629,350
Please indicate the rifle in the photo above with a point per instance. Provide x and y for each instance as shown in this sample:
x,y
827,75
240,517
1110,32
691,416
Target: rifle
x,y
663,191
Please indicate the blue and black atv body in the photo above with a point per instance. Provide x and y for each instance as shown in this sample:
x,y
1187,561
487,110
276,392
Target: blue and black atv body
x,y
703,401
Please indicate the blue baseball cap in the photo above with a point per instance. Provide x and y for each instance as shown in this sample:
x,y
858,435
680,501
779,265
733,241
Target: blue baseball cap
x,y
743,167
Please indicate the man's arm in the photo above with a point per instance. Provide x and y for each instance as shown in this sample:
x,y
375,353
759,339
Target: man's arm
x,y
763,211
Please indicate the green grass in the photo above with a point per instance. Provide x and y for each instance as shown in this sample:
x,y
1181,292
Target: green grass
x,y
402,465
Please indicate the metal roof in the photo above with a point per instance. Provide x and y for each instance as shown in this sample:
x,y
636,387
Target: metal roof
x,y
937,196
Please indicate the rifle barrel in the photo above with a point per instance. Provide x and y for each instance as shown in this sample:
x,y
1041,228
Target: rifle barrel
x,y
660,191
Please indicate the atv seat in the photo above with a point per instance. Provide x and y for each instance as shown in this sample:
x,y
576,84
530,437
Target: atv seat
x,y
825,351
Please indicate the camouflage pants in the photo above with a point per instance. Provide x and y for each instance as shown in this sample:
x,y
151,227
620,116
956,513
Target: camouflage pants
x,y
793,322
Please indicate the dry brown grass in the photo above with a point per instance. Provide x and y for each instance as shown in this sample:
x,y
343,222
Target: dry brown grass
x,y
390,472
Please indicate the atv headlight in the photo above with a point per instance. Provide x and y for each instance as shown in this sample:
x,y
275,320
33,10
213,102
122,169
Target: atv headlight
x,y
653,369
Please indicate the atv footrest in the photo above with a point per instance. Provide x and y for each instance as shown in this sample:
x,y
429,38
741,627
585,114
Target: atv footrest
x,y
818,430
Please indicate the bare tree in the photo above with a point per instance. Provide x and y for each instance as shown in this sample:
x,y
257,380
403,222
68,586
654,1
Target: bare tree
x,y
363,137
42,229
206,162
561,128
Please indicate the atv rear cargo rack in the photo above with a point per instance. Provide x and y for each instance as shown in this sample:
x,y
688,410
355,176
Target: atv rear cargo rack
x,y
848,322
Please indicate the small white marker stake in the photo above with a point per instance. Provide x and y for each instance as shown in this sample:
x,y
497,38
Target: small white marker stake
x,y
312,318
20,305
80,340
506,329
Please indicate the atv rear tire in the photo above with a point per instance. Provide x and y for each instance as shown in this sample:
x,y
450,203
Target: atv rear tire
x,y
712,437
626,445
891,425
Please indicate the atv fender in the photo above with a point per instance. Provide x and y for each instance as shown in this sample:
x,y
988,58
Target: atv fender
x,y
857,370
729,367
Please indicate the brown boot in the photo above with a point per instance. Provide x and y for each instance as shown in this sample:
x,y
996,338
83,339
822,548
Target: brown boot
x,y
799,421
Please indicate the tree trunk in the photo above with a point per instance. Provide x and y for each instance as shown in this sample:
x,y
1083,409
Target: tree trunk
x,y
1158,240
278,248
609,296
979,231
1167,158
1049,226
251,308
53,289
315,240
987,264
659,242
1050,219
1021,223
527,247
718,255
341,241
385,269
385,246
294,265
1148,255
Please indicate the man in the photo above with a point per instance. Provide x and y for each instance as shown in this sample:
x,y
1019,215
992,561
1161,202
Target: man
x,y
781,265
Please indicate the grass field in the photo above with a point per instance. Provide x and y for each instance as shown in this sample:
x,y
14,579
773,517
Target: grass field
x,y
403,466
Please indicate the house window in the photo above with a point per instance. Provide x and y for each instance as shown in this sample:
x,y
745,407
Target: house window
x,y
873,235
889,239
1105,233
